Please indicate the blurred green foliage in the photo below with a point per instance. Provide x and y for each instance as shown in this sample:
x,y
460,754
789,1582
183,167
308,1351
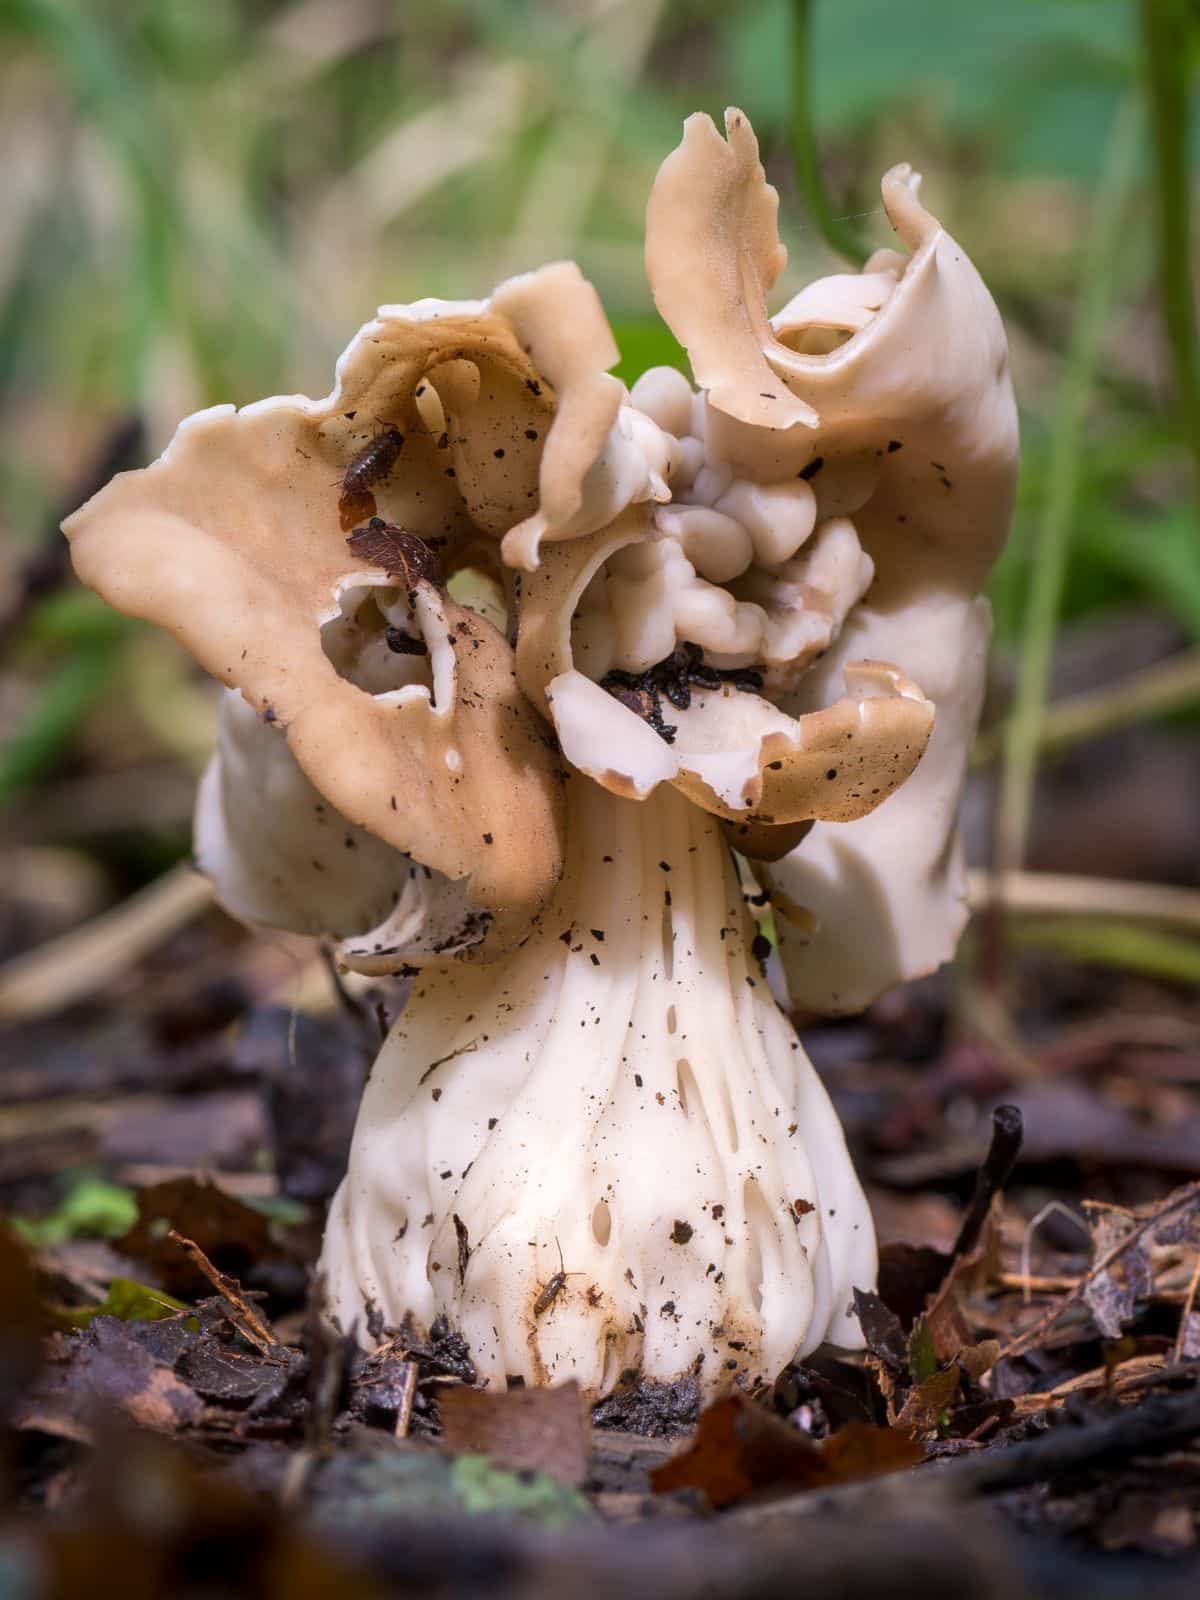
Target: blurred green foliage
x,y
128,1300
1032,84
91,1208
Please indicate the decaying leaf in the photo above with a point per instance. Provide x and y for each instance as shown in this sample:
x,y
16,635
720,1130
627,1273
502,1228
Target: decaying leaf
x,y
740,1448
908,1276
232,1234
1111,1295
411,1490
882,1330
401,554
544,1430
926,1404
104,1370
486,1489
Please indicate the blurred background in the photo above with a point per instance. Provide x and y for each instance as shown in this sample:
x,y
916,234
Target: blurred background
x,y
202,202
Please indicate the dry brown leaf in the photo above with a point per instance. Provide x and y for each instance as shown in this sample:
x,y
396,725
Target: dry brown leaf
x,y
976,1359
105,1369
231,1234
925,1405
741,1448
542,1430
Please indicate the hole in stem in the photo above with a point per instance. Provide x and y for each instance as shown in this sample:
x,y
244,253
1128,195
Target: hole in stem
x,y
668,943
758,1227
685,1083
731,1126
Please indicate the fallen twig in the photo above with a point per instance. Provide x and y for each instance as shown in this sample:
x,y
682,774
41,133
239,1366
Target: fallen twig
x,y
1073,895
408,1393
1154,1427
1188,1304
69,969
246,1319
1182,1198
1153,691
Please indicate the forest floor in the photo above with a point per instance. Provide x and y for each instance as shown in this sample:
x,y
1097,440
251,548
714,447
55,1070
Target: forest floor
x,y
1025,1419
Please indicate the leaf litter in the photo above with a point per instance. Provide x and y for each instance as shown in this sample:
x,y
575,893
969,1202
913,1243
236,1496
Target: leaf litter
x,y
1000,1365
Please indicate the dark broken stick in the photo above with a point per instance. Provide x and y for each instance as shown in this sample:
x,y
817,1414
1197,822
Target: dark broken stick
x,y
246,1318
1007,1133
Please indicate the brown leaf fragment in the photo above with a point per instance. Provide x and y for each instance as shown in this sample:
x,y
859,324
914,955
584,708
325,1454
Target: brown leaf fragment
x,y
740,1448
882,1330
241,1313
948,1327
1111,1304
231,1234
543,1430
105,1368
908,1275
925,1405
401,554
226,1376
976,1359
860,1451
1111,1295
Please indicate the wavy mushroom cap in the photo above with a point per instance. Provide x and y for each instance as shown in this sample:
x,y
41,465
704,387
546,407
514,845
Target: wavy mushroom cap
x,y
399,707
888,392
761,593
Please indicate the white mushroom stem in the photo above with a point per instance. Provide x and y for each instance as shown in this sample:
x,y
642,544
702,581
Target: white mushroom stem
x,y
623,1090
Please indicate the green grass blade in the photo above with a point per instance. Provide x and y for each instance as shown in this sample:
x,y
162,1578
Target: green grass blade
x,y
1062,490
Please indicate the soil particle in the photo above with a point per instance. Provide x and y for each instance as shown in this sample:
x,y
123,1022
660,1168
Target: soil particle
x,y
655,1410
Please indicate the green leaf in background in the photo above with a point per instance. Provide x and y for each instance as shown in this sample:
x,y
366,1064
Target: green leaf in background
x,y
645,344
531,1496
1038,78
91,1209
361,1491
922,1357
75,616
66,697
130,1301
1160,554
1127,946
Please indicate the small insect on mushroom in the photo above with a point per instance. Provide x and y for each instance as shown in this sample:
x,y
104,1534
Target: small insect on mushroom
x,y
374,461
368,467
554,1286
